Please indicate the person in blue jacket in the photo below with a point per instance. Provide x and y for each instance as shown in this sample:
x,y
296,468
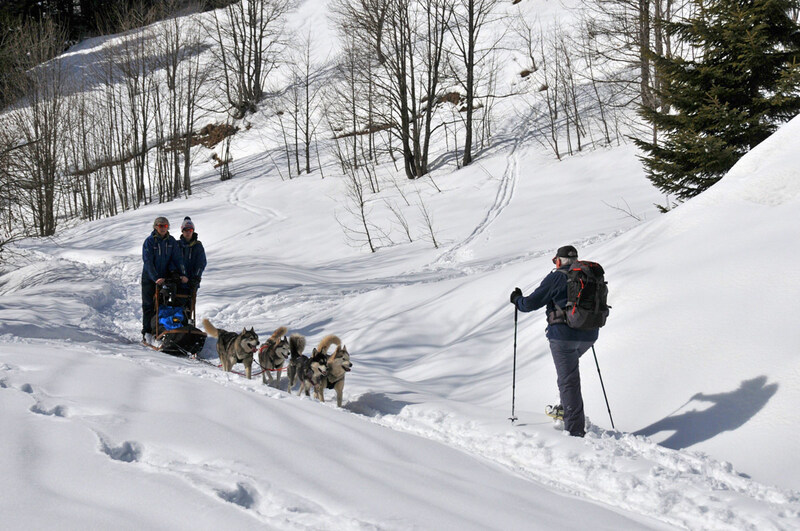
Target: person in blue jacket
x,y
567,344
193,253
160,256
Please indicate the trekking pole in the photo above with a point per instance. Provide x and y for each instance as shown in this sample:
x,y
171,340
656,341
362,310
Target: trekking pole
x,y
512,418
604,388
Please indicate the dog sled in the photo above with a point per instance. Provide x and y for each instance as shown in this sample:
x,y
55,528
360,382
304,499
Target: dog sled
x,y
173,322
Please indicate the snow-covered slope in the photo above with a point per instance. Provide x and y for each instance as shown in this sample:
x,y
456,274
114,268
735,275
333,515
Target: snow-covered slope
x,y
107,433
698,359
708,291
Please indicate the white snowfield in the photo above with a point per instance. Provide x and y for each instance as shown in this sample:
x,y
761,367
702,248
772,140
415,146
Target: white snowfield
x,y
699,357
102,433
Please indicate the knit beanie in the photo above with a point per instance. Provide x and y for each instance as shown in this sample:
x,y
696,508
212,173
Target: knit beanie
x,y
187,223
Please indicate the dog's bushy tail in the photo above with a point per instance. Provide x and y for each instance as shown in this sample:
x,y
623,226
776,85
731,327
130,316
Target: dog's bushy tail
x,y
278,333
327,341
210,329
297,344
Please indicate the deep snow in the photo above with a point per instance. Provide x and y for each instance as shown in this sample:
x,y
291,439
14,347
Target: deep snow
x,y
698,359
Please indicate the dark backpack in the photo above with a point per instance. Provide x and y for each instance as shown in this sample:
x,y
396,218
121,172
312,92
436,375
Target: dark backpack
x,y
587,293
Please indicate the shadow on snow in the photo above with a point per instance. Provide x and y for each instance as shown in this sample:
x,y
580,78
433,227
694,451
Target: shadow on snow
x,y
728,412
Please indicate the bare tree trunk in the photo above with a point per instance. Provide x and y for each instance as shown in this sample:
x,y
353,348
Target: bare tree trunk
x,y
471,15
41,124
249,41
409,39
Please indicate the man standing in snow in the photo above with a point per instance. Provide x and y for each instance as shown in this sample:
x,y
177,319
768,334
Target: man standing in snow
x,y
161,255
193,253
567,344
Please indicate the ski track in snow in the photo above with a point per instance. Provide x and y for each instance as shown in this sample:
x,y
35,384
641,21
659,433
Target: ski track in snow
x,y
239,198
505,192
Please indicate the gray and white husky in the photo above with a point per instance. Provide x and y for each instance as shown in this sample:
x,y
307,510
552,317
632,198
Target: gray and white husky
x,y
338,365
234,348
273,354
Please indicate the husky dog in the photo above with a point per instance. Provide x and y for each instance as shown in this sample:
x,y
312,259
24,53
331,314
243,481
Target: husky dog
x,y
311,373
272,354
234,348
338,364
297,344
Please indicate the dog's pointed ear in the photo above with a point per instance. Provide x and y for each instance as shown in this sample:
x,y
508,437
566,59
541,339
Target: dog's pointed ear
x,y
244,330
313,352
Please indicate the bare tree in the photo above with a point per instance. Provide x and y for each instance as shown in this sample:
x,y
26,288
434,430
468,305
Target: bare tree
x,y
10,212
359,230
134,59
569,93
590,76
550,87
416,43
352,101
301,101
408,40
427,219
82,153
184,78
249,39
9,62
401,219
225,171
39,120
627,34
470,17
118,120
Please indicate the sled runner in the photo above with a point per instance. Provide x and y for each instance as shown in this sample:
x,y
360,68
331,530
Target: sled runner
x,y
173,322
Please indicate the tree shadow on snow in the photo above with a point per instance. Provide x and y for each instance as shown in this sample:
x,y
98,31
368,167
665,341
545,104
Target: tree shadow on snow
x,y
728,412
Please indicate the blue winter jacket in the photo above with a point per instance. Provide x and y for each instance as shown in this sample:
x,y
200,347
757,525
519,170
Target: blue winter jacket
x,y
552,291
161,256
194,257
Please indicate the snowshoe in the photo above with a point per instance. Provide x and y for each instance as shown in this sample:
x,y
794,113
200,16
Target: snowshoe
x,y
555,412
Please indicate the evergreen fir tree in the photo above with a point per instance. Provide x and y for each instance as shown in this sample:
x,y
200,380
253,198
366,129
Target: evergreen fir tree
x,y
742,82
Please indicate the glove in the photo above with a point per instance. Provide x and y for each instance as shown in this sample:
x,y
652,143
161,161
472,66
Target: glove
x,y
516,294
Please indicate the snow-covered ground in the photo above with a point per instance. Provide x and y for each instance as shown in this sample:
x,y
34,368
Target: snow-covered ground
x,y
699,354
699,358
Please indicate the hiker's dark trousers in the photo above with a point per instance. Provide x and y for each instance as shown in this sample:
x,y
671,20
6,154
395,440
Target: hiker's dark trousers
x,y
565,356
148,304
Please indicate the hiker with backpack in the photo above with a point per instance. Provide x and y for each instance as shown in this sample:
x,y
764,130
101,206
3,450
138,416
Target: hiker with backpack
x,y
575,296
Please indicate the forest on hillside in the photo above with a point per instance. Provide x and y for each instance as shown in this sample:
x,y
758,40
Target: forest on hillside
x,y
412,83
